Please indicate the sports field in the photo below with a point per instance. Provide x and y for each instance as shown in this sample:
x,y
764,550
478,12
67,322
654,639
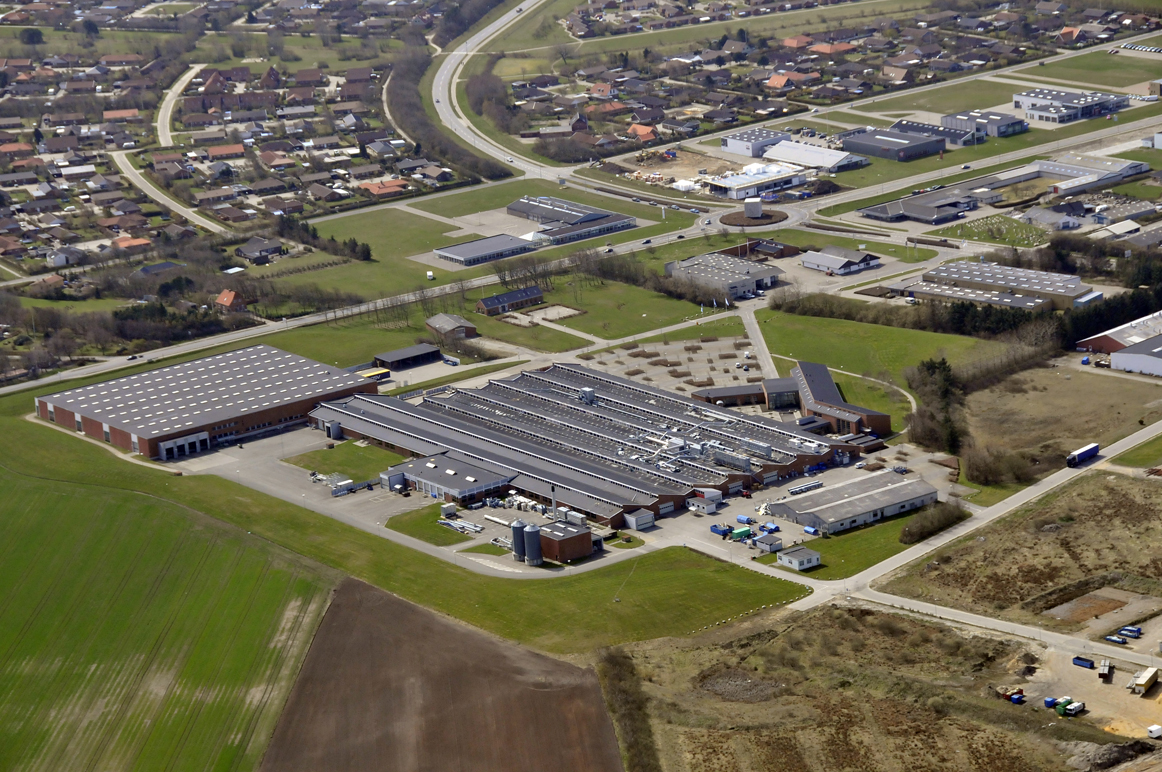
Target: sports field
x,y
138,635
866,349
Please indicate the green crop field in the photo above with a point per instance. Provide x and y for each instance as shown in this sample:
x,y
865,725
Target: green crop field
x,y
422,524
848,553
866,349
1099,69
358,463
139,635
995,229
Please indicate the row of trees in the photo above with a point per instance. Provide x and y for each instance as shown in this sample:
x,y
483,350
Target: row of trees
x,y
407,110
290,227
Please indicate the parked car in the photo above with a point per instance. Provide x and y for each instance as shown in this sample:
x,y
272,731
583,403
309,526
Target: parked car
x,y
1117,639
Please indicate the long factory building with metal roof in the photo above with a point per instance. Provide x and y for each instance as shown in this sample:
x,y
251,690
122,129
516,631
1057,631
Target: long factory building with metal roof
x,y
599,444
194,406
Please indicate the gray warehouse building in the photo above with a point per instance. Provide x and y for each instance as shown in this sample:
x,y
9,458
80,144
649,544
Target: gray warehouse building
x,y
564,221
893,145
729,275
483,250
953,136
598,444
992,124
752,142
860,502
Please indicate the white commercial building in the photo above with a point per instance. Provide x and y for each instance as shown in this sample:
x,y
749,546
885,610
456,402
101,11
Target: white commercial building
x,y
814,157
839,261
1144,357
756,179
799,558
752,142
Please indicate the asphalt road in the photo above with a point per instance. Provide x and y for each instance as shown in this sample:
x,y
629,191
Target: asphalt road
x,y
165,112
151,190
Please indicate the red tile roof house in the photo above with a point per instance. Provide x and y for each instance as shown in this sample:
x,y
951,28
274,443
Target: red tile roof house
x,y
230,301
219,152
385,189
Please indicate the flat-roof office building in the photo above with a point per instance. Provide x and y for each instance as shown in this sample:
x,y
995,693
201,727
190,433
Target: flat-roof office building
x,y
730,276
486,249
990,123
893,145
192,407
752,142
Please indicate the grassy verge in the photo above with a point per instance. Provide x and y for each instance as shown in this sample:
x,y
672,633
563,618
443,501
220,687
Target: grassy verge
x,y
486,549
358,463
987,495
1146,455
621,543
421,524
460,374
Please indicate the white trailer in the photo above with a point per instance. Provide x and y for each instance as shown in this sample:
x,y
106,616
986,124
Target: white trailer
x,y
1144,680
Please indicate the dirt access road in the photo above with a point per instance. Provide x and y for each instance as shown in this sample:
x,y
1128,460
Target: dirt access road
x,y
389,686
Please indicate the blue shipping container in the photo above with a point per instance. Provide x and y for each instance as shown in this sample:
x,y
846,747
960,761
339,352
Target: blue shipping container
x,y
1018,699
1083,662
1050,702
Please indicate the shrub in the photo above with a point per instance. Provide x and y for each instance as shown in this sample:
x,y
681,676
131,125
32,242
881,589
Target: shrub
x,y
932,520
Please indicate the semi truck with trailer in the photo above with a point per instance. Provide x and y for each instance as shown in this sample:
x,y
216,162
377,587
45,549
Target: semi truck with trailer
x,y
1081,455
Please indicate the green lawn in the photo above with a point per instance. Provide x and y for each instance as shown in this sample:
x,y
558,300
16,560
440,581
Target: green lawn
x,y
344,343
486,549
976,94
859,119
621,544
422,524
1145,155
866,349
987,495
168,9
458,374
615,310
994,229
1146,455
1138,190
668,592
137,633
393,233
859,391
1100,69
848,553
721,327
358,463
74,306
65,42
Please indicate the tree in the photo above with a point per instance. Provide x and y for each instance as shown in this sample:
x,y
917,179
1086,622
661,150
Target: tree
x,y
251,18
90,28
31,36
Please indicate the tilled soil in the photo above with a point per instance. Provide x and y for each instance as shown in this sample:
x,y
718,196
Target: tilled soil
x,y
390,686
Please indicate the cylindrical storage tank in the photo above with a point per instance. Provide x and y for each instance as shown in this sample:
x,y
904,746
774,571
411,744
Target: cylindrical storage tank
x,y
753,208
518,539
533,545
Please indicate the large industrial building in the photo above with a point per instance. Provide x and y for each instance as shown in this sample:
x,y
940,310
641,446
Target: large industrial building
x,y
483,250
920,289
565,221
953,136
813,157
752,142
728,275
866,500
1071,173
1047,105
987,122
839,261
192,407
598,444
756,179
1060,290
1124,336
893,145
1144,357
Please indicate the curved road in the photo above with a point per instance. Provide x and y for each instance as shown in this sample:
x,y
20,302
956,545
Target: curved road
x,y
164,122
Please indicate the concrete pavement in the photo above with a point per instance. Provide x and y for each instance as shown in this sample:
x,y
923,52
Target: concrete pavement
x,y
755,333
164,122
148,188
